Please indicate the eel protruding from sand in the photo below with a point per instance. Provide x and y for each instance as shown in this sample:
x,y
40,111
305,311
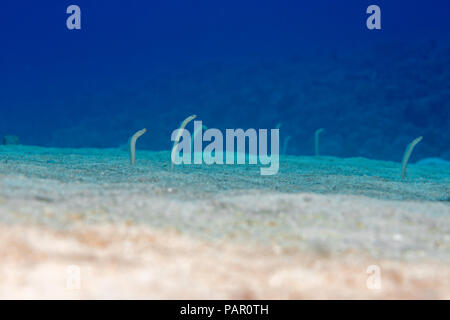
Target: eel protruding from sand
x,y
133,145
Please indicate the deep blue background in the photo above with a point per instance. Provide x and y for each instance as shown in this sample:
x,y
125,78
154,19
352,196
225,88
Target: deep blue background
x,y
306,64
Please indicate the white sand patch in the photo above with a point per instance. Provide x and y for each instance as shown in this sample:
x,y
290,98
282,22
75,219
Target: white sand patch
x,y
219,231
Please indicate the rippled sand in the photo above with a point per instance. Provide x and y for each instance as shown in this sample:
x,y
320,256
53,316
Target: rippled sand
x,y
219,231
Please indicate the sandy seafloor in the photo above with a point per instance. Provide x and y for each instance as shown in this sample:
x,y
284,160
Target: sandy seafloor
x,y
222,231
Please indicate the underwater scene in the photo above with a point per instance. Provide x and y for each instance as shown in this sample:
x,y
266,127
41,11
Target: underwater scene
x,y
171,149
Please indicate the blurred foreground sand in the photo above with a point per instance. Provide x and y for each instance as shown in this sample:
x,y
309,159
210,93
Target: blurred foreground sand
x,y
138,262
219,232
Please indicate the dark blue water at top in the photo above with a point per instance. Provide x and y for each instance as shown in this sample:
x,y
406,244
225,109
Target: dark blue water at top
x,y
236,64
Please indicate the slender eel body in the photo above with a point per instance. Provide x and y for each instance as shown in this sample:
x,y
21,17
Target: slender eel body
x,y
407,154
180,132
133,145
316,141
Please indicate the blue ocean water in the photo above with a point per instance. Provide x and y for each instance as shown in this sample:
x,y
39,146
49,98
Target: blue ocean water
x,y
236,64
